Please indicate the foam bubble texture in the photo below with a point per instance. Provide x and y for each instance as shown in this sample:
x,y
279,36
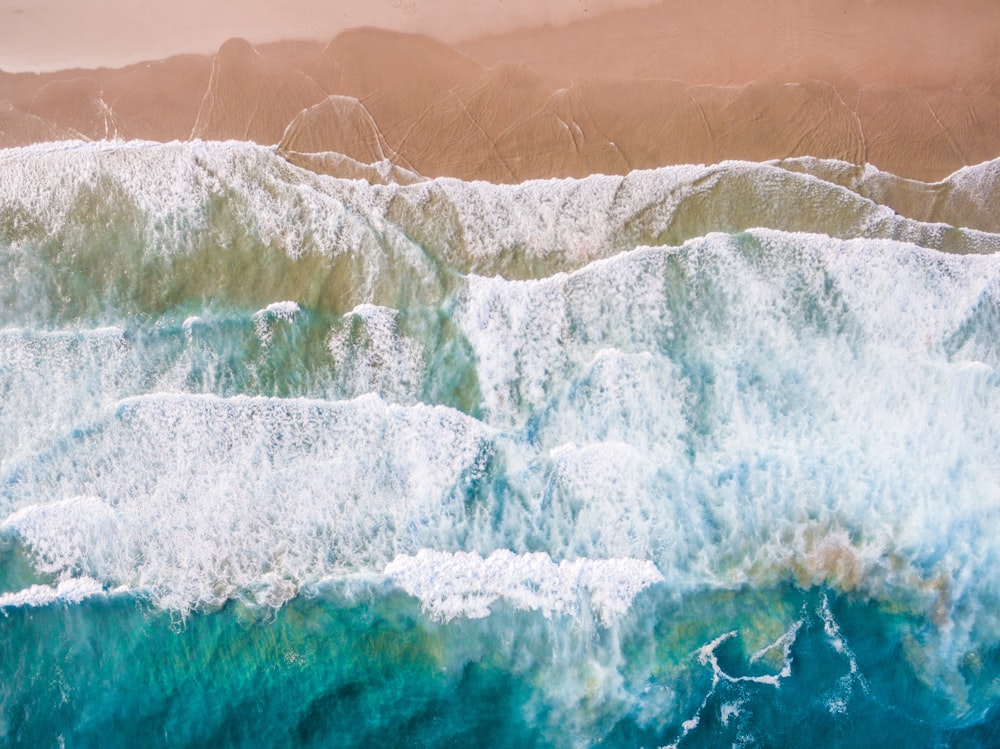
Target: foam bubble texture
x,y
372,356
72,590
466,584
748,406
723,423
742,407
194,499
274,312
50,380
165,212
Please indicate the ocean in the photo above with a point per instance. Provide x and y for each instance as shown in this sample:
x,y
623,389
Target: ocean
x,y
699,456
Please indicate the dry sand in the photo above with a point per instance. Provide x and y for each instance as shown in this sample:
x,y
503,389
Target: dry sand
x,y
911,87
48,35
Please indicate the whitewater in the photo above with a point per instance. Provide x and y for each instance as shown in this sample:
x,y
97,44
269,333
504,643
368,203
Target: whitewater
x,y
695,456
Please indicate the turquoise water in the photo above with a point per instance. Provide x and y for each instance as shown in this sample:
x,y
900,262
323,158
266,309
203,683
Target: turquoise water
x,y
369,669
701,456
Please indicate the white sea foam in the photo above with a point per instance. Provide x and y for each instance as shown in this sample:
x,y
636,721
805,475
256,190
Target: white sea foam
x,y
65,534
465,584
264,320
177,198
194,499
175,189
282,310
52,380
579,221
72,590
747,407
736,410
371,355
743,410
728,711
839,697
707,656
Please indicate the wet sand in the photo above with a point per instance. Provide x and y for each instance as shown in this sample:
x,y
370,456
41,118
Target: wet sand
x,y
911,88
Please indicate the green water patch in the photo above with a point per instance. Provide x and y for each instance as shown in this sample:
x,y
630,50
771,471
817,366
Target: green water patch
x,y
16,569
107,259
412,356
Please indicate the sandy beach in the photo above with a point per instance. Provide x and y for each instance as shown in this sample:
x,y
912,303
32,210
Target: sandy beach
x,y
913,89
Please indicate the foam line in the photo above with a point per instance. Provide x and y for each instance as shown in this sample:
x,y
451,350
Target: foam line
x,y
72,590
465,584
195,499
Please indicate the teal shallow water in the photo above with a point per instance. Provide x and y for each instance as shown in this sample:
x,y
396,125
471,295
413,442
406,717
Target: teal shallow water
x,y
294,461
371,670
